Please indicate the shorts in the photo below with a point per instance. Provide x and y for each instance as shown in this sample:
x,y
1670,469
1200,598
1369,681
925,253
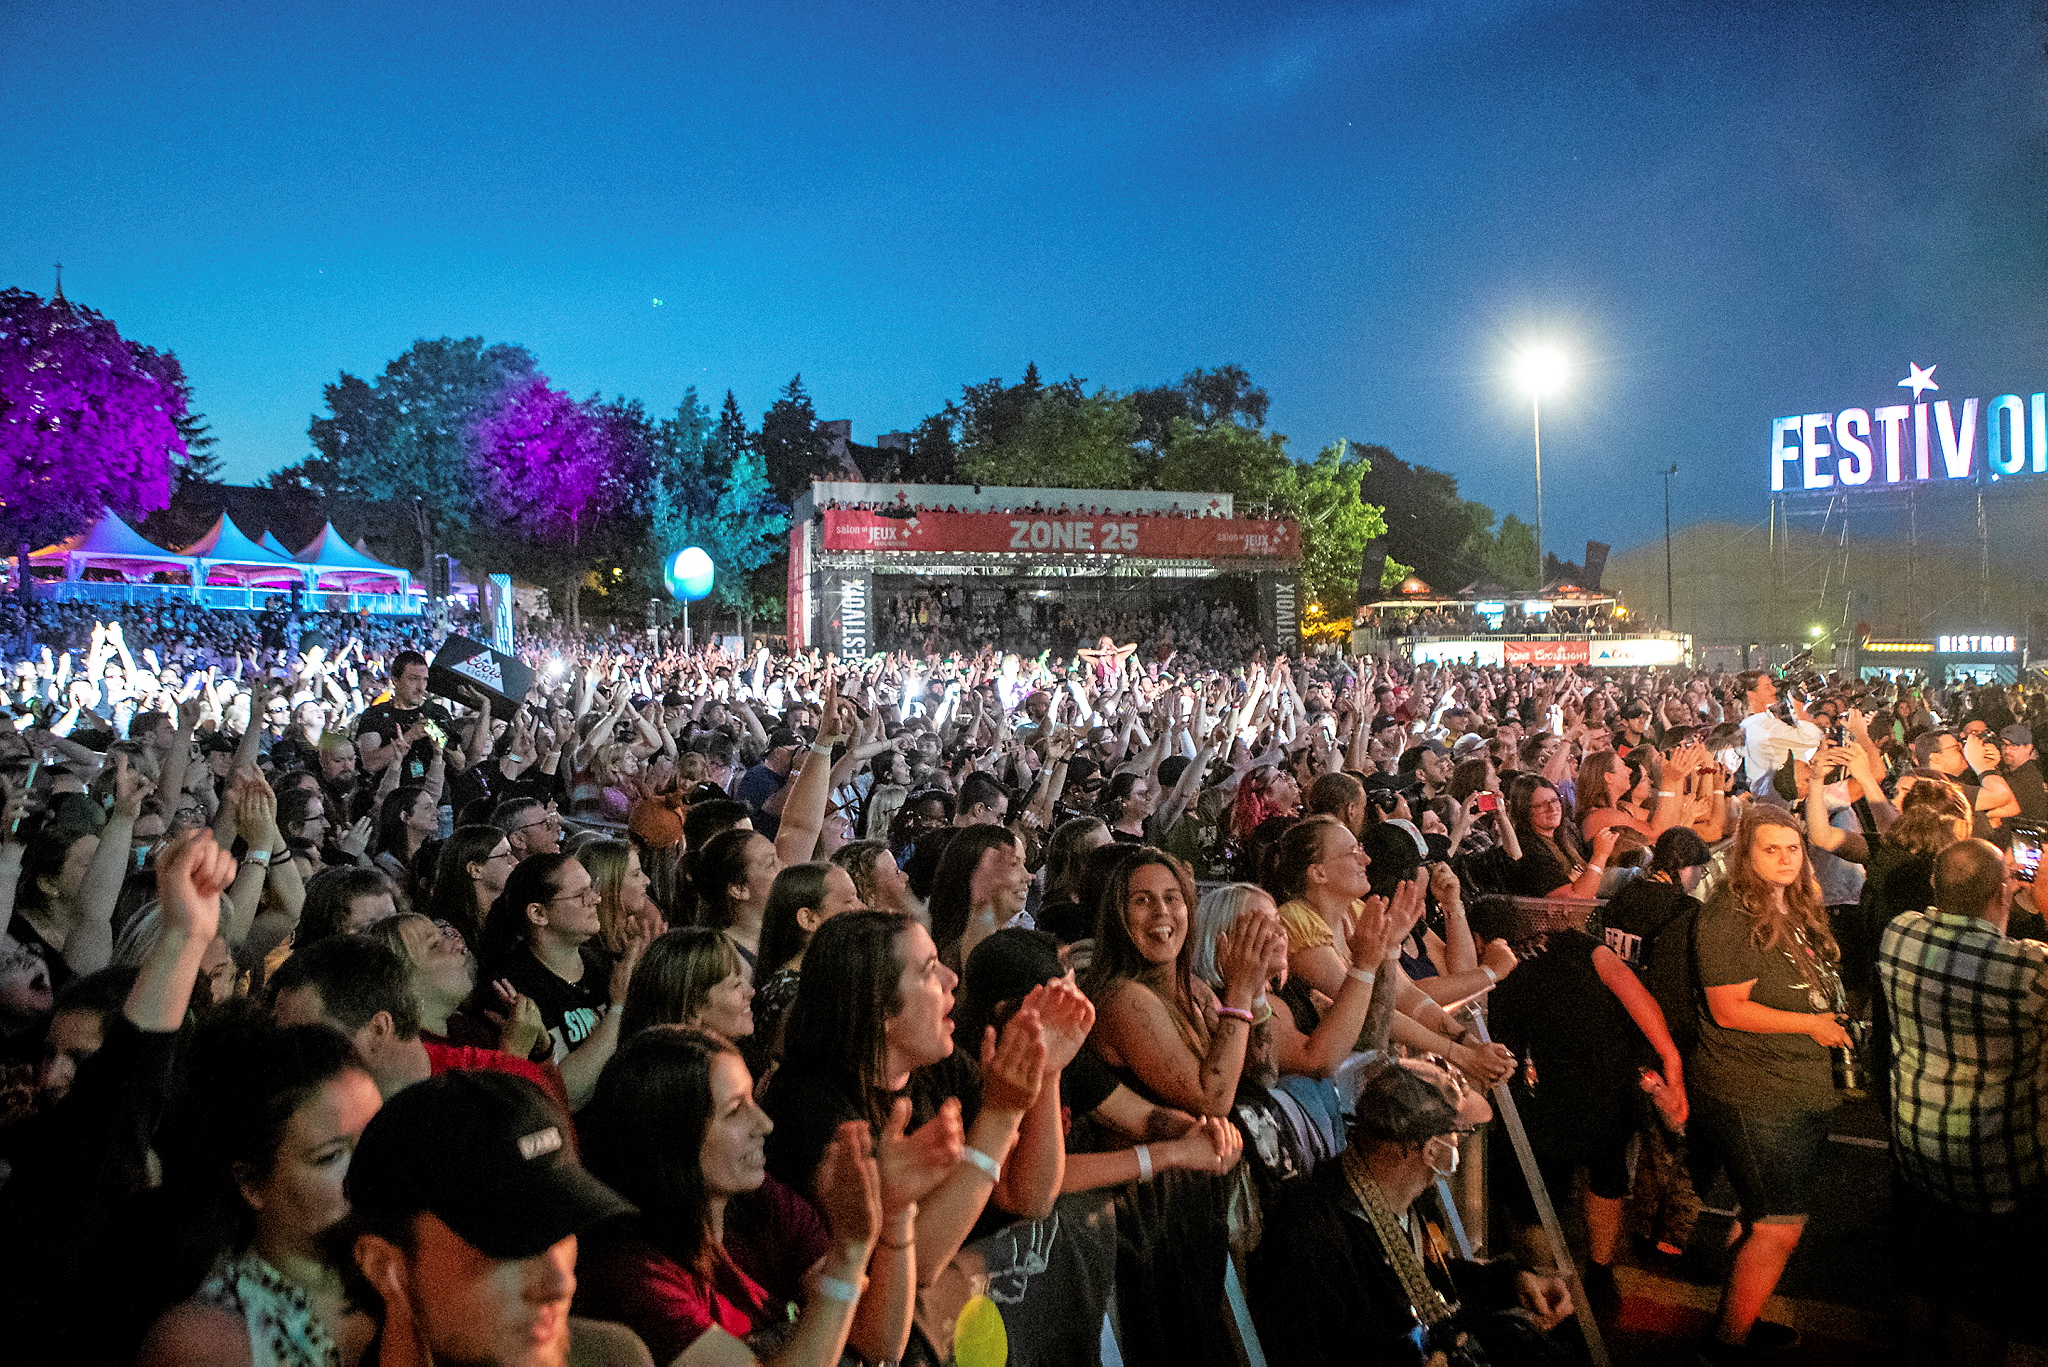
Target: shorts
x,y
1982,1265
1606,1165
1770,1149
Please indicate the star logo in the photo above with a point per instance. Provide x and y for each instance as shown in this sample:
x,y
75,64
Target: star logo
x,y
1919,379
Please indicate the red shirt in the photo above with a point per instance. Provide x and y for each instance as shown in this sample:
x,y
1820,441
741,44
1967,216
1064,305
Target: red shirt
x,y
443,1057
772,1238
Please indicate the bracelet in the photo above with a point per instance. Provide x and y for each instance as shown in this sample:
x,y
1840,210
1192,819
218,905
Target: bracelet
x,y
1491,976
818,748
1234,1013
1144,1162
833,1289
989,1167
260,858
1596,868
1264,1013
1363,975
1667,792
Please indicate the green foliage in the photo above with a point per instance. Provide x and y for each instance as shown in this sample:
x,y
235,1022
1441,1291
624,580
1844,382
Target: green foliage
x,y
1513,559
200,465
1060,438
933,456
1323,496
407,435
1447,540
792,449
1247,464
711,489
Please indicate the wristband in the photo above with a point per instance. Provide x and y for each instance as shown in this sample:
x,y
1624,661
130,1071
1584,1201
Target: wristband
x,y
1667,792
1235,1013
1144,1162
992,1169
260,858
833,1289
1491,976
1363,975
820,749
1596,868
1264,1013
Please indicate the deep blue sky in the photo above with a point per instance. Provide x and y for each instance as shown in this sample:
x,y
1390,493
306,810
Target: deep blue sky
x,y
1723,211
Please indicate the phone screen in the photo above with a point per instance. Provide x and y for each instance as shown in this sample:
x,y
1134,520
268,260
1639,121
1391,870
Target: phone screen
x,y
2026,850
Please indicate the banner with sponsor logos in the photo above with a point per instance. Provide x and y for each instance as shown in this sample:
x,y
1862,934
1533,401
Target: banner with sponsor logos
x,y
1546,654
1159,538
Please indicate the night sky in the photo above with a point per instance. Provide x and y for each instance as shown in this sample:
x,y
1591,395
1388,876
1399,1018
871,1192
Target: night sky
x,y
1723,212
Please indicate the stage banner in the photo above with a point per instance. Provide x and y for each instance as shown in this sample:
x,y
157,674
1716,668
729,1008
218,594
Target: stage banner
x,y
845,604
1547,654
1159,538
1280,611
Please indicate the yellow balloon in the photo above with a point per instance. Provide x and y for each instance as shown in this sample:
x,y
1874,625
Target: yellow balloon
x,y
979,1339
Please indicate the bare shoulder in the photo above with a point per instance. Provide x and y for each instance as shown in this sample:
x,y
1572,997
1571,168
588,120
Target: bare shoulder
x,y
194,1334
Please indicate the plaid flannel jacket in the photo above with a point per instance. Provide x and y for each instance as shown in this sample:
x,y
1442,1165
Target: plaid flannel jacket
x,y
1966,1026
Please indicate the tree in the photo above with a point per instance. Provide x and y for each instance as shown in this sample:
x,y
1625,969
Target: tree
x,y
1251,466
201,465
729,509
88,420
409,436
1447,539
1051,436
1513,558
791,447
556,476
1323,497
933,456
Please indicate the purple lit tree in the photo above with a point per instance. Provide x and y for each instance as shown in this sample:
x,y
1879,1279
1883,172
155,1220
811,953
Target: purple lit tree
x,y
554,477
88,420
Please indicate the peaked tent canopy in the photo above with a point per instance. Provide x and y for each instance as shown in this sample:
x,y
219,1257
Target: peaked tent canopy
x,y
111,540
225,546
271,543
331,557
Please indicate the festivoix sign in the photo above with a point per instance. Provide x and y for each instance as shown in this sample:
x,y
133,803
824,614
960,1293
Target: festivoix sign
x,y
1910,443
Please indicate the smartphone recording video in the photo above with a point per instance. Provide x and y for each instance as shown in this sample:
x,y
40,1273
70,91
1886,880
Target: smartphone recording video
x,y
2026,848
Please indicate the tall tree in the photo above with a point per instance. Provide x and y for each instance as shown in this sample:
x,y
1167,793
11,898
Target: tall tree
x,y
88,420
409,435
553,475
1446,538
201,465
791,447
933,456
731,512
1225,458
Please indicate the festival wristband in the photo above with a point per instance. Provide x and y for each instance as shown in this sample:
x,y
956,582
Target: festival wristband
x,y
1144,1152
989,1166
833,1289
1363,975
1491,976
1235,1013
261,858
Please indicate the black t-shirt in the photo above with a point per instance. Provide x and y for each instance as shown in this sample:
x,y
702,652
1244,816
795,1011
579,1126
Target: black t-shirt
x,y
1743,1065
388,721
1636,915
1578,1041
572,1010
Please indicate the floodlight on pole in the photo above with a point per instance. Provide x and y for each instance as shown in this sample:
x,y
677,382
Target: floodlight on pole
x,y
1539,370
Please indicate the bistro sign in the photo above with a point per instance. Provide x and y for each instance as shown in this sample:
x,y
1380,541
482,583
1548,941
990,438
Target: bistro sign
x,y
1900,443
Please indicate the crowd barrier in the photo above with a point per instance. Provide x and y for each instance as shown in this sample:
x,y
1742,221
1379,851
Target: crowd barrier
x,y
227,596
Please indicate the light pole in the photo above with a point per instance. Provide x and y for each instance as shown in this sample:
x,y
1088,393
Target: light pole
x,y
1670,622
1539,370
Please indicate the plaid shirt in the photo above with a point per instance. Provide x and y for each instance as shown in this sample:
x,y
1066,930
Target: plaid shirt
x,y
1966,1023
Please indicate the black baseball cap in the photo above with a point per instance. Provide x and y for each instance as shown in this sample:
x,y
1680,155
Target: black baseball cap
x,y
487,1153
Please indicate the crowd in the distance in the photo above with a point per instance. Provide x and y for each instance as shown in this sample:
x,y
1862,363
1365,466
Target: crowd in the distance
x,y
773,1008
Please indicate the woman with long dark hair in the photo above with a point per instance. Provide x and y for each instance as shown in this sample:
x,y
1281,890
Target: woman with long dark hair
x,y
734,876
406,819
1552,862
1762,1077
980,887
283,1109
804,897
722,1248
469,873
871,1022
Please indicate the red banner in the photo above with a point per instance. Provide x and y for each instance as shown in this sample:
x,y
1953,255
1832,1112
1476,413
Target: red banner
x,y
1547,654
1160,538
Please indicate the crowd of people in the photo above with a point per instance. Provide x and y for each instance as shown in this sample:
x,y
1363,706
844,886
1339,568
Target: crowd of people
x,y
956,619
716,1008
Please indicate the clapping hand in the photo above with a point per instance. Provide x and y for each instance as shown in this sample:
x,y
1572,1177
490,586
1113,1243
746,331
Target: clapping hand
x,y
1065,1016
912,1164
1013,1065
849,1188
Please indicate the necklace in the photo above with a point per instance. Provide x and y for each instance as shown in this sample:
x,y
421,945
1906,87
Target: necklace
x,y
1824,986
1428,1303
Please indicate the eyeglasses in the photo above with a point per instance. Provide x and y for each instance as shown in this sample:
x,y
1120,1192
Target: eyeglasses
x,y
554,822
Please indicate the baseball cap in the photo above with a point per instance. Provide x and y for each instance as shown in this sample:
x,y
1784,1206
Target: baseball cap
x,y
488,1154
1637,708
783,739
2019,733
1469,743
1397,850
